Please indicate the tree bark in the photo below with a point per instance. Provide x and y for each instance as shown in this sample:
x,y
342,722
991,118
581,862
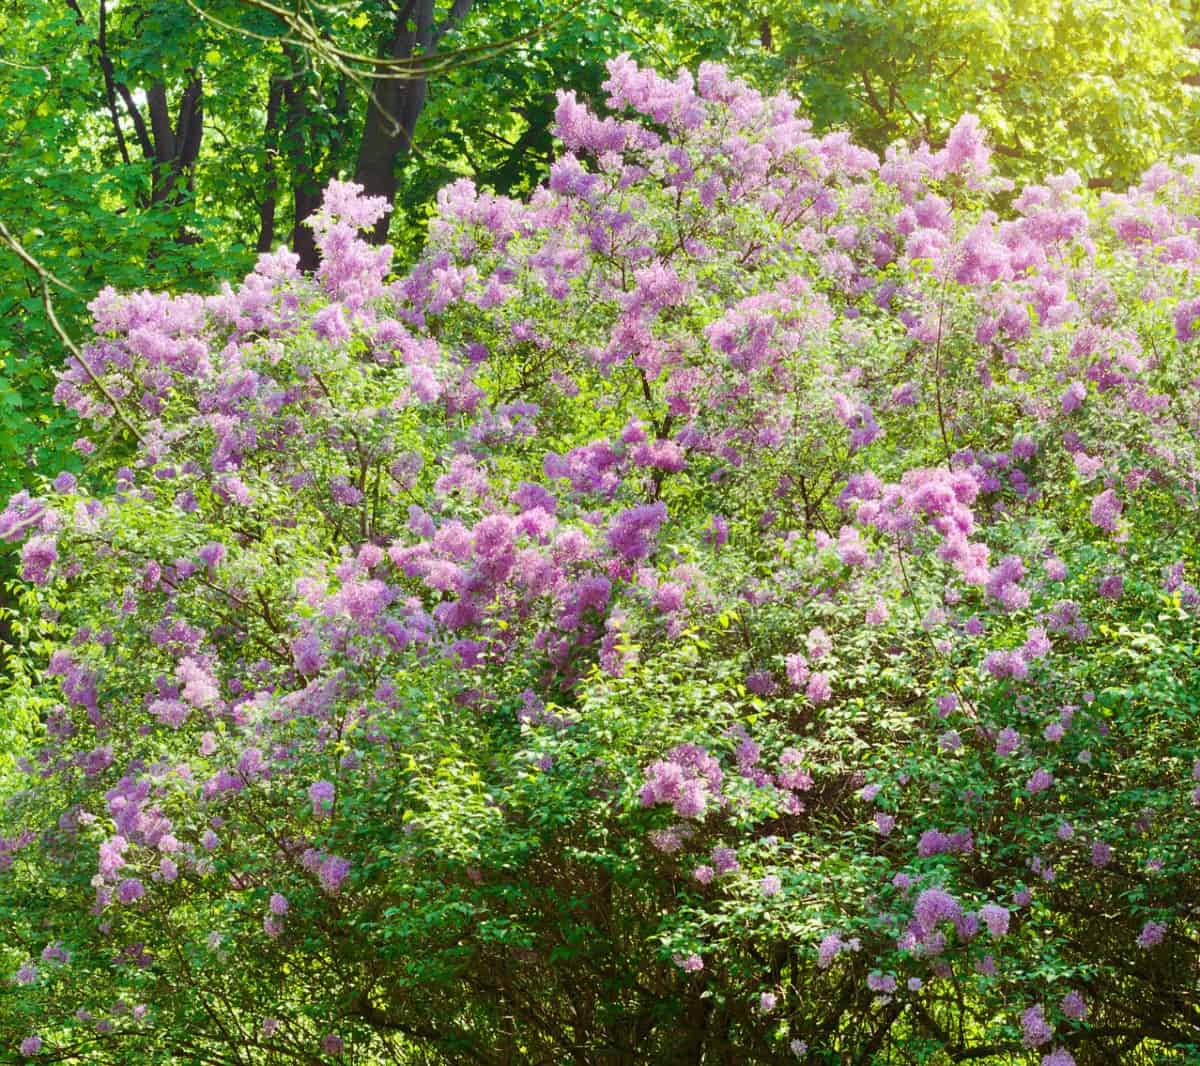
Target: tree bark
x,y
266,209
397,100
176,146
306,193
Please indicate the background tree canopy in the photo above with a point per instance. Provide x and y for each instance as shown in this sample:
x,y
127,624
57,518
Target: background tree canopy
x,y
1103,87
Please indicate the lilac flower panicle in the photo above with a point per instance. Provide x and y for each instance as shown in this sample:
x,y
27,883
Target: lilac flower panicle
x,y
797,669
1106,510
1074,1006
1035,1030
1151,935
1007,741
881,982
130,890
321,794
819,690
935,905
38,555
631,531
332,873
725,860
829,948
1039,781
996,918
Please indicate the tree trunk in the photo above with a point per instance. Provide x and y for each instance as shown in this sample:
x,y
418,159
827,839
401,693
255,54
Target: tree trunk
x,y
306,193
397,101
176,147
266,209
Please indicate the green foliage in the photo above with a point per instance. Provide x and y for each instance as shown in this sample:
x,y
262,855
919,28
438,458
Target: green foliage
x,y
1101,86
512,897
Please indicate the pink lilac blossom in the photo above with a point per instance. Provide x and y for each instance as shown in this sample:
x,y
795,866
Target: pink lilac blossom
x,y
725,860
38,555
797,669
1035,1030
1007,741
1039,781
332,873
819,689
1106,510
1151,935
829,948
881,982
631,532
935,905
996,918
689,780
321,794
130,890
1073,1006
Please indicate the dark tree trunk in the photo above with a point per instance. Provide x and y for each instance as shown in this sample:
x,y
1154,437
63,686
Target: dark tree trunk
x,y
397,101
176,147
310,157
266,209
171,148
306,193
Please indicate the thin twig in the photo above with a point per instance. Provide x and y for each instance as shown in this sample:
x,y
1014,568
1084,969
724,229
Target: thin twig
x,y
47,279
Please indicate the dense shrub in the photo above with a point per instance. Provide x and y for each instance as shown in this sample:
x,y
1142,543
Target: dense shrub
x,y
733,607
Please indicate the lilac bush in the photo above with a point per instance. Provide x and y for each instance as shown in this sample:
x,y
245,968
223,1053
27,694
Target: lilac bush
x,y
716,610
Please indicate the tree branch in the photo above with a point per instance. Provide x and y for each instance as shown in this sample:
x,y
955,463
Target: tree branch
x,y
47,279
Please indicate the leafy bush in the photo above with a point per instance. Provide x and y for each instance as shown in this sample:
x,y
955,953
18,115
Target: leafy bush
x,y
734,606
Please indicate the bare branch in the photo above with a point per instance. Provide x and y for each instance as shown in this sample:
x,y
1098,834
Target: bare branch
x,y
47,279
